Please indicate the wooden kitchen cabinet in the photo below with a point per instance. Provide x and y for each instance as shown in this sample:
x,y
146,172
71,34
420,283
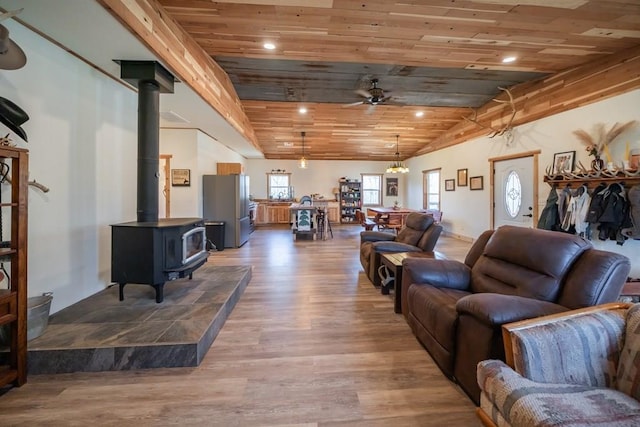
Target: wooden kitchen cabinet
x,y
333,212
261,214
278,214
229,168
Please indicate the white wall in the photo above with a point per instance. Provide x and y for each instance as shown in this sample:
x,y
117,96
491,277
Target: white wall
x,y
82,145
466,213
320,177
197,151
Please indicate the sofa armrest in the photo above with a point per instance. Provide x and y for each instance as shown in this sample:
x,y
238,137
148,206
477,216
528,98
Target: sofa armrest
x,y
497,309
392,246
375,236
435,272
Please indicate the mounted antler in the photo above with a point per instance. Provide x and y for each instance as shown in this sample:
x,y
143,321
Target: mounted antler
x,y
505,130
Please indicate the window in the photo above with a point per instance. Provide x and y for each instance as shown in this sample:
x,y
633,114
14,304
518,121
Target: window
x,y
513,194
371,190
279,185
431,192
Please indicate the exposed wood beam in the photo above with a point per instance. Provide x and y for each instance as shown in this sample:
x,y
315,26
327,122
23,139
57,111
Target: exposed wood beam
x,y
583,85
149,22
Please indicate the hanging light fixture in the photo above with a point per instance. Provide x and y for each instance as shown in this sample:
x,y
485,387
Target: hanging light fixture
x,y
397,166
302,164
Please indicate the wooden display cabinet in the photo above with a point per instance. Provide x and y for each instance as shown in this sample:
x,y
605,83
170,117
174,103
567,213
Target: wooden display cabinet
x,y
13,301
350,201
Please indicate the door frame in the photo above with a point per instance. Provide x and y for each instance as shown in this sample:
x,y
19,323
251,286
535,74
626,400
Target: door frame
x,y
492,174
167,184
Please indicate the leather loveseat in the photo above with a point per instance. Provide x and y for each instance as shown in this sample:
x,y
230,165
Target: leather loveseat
x,y
456,309
419,233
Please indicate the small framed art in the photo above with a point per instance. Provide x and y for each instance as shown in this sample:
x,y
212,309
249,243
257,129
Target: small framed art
x,y
449,185
476,183
462,177
392,187
180,177
564,161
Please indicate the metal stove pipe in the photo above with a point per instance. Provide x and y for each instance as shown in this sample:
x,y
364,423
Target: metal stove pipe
x,y
148,150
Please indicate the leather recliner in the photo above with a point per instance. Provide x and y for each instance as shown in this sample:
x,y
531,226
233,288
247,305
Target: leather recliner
x,y
419,233
456,310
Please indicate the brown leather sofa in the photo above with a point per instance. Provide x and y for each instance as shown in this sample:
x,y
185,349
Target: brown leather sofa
x,y
456,310
419,233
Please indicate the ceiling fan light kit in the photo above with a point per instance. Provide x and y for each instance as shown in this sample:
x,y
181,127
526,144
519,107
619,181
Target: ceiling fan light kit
x,y
302,163
397,166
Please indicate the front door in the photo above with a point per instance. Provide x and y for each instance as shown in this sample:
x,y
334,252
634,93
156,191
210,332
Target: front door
x,y
514,201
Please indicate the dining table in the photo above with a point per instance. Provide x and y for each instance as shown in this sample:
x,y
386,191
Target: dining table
x,y
383,214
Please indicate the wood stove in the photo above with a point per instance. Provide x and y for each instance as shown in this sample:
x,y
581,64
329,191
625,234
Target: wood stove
x,y
153,251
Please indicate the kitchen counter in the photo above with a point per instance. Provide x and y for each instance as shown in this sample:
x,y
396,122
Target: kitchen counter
x,y
279,212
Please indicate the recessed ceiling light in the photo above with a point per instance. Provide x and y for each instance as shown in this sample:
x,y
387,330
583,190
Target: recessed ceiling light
x,y
508,59
269,46
302,110
419,113
288,144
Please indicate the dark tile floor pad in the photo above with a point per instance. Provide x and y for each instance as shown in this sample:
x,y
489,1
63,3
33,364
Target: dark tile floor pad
x,y
101,333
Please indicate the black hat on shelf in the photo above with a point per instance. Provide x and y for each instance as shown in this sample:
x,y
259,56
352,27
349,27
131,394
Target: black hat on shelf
x,y
13,117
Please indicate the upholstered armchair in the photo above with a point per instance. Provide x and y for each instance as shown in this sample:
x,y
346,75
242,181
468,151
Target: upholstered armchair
x,y
419,233
577,368
456,309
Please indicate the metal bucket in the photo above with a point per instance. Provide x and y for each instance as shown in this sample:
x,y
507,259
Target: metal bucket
x,y
37,318
38,315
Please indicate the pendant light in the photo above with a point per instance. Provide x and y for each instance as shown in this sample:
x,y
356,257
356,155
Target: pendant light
x,y
302,164
397,166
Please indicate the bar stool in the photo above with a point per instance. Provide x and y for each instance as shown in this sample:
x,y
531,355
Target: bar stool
x,y
324,226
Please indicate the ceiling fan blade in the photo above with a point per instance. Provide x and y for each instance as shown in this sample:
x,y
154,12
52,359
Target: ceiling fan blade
x,y
371,109
363,92
353,104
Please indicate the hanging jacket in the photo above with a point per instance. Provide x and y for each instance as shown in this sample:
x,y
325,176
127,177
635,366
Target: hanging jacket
x,y
615,214
563,202
550,218
596,206
577,207
580,202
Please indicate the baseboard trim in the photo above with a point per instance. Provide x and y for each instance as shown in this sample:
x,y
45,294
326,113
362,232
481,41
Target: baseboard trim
x,y
458,236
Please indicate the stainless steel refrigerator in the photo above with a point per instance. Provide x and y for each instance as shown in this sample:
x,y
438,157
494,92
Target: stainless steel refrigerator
x,y
226,198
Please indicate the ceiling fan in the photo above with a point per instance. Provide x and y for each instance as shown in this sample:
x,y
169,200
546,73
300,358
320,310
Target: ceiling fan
x,y
373,96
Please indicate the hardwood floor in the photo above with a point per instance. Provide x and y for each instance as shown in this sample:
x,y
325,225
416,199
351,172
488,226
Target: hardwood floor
x,y
310,343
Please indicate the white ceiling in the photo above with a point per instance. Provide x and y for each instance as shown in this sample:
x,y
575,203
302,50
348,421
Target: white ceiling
x,y
88,30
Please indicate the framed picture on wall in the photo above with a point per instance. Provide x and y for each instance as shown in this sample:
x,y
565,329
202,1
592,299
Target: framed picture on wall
x,y
449,185
564,161
462,177
392,187
180,177
476,183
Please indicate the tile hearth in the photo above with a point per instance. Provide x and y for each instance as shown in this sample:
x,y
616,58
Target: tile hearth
x,y
101,333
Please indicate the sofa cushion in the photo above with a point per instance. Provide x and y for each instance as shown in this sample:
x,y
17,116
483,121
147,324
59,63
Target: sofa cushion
x,y
629,364
533,270
415,225
521,402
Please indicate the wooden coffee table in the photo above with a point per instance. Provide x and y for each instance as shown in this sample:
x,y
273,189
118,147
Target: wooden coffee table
x,y
393,261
